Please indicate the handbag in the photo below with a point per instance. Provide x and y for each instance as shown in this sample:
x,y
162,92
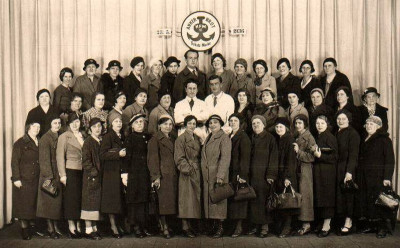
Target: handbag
x,y
221,192
272,200
289,200
388,199
153,203
349,186
49,188
244,192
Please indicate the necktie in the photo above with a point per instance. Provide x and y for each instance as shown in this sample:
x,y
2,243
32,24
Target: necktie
x,y
191,103
194,72
215,101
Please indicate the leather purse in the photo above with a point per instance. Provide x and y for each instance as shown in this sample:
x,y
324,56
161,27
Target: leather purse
x,y
153,203
349,186
272,200
49,188
289,200
388,199
244,192
221,192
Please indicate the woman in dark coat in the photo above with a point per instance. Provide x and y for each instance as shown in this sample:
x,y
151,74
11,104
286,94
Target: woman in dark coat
x,y
318,108
111,83
168,79
50,207
244,110
160,160
325,175
25,177
112,156
238,171
215,161
371,107
263,173
304,148
332,80
187,160
345,101
136,176
132,81
42,113
62,95
286,82
308,82
91,185
270,109
348,146
287,171
69,165
374,173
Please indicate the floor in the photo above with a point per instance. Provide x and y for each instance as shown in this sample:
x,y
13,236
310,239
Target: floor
x,y
10,237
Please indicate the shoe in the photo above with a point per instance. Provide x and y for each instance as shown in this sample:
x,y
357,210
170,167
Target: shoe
x,y
74,235
116,235
303,231
237,233
93,236
263,233
285,233
382,233
252,231
60,233
344,231
139,233
166,234
367,230
35,231
25,234
188,233
220,231
323,234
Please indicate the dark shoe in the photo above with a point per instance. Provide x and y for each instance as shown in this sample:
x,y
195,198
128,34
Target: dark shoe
x,y
75,235
25,234
323,234
166,234
93,236
188,233
344,231
252,231
382,233
35,231
139,233
116,235
303,231
220,231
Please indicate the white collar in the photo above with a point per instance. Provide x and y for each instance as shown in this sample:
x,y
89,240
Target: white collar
x,y
218,96
188,99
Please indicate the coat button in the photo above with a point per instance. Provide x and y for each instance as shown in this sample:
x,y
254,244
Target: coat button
x,y
33,173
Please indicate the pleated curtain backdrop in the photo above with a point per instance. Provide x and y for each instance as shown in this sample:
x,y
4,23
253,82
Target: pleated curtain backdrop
x,y
39,37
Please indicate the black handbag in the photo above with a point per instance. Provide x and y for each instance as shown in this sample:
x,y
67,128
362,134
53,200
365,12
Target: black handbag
x,y
289,200
349,186
388,199
221,192
272,199
153,203
49,188
244,192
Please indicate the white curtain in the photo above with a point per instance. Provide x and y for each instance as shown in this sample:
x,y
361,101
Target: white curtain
x,y
39,37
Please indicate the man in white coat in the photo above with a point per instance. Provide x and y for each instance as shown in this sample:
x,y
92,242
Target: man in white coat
x,y
220,103
191,105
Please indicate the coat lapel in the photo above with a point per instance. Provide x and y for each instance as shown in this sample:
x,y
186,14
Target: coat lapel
x,y
165,141
30,143
73,140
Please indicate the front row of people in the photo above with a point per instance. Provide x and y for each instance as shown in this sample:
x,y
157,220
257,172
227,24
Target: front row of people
x,y
118,176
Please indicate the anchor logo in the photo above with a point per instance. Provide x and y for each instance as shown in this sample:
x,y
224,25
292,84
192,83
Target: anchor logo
x,y
201,28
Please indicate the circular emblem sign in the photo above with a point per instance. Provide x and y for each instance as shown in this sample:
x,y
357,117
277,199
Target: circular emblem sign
x,y
200,31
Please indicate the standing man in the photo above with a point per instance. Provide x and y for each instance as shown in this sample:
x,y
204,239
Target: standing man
x,y
219,103
191,105
191,71
87,83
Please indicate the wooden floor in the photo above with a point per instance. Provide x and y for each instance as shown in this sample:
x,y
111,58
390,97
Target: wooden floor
x,y
10,237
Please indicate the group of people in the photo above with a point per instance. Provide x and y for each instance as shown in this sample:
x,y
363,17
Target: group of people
x,y
155,146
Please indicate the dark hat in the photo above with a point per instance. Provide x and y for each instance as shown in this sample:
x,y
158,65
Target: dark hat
x,y
307,62
32,119
65,70
41,92
218,55
94,121
53,117
118,94
237,115
241,61
330,60
171,60
283,60
114,63
370,90
89,62
267,89
345,89
294,91
136,60
163,92
346,113
215,117
112,116
138,91
72,117
301,117
135,117
260,62
261,118
282,120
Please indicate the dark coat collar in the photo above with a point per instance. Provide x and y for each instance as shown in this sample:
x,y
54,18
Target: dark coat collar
x,y
116,138
186,71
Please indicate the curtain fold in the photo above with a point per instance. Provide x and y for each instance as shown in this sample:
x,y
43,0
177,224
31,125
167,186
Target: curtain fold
x,y
39,38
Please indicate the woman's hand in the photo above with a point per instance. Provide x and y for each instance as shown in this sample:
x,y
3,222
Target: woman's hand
x,y
122,153
386,183
18,184
220,181
63,180
317,152
296,147
124,178
241,180
287,182
348,177
156,183
270,181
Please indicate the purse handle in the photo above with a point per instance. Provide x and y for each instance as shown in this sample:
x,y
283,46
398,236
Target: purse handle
x,y
293,191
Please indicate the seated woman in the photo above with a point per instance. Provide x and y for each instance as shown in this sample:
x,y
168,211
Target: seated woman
x,y
375,171
270,109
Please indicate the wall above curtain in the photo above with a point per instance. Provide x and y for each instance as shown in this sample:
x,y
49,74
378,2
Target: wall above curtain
x,y
39,38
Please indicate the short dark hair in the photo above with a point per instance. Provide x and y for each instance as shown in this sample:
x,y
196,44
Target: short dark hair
x,y
191,51
213,77
76,95
65,70
191,80
218,55
95,94
189,118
